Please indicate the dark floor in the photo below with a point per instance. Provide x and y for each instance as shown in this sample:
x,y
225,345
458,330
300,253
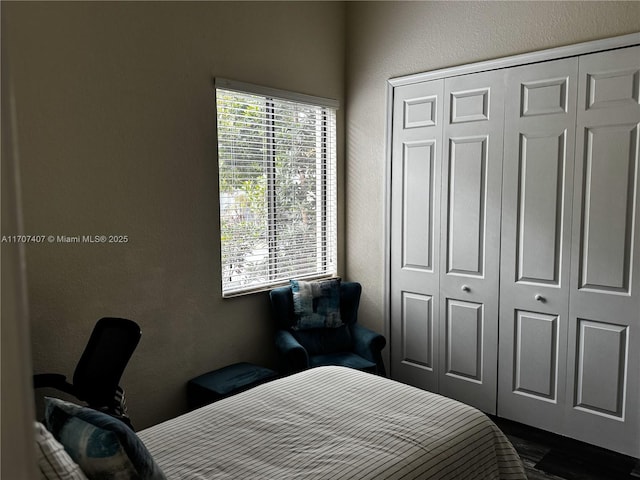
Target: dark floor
x,y
552,457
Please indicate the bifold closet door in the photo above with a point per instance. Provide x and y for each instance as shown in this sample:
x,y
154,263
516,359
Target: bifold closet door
x,y
470,238
604,317
415,219
539,142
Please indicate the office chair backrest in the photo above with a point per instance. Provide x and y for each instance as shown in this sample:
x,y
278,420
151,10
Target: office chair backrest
x,y
104,359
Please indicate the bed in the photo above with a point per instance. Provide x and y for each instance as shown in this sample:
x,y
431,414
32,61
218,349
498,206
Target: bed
x,y
333,423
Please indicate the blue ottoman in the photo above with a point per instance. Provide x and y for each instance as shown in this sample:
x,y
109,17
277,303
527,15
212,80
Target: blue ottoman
x,y
224,382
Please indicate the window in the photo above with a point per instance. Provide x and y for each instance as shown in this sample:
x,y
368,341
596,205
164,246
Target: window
x,y
277,168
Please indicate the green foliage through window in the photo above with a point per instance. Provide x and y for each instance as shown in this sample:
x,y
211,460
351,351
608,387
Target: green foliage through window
x,y
276,161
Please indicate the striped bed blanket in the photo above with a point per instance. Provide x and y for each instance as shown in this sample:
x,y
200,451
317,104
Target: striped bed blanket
x,y
333,423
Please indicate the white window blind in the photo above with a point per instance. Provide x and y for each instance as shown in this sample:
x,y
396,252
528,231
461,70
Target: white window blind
x,y
277,170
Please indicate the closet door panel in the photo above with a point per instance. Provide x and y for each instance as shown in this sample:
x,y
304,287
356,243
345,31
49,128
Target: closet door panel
x,y
606,206
465,212
604,318
470,238
535,249
415,218
417,209
464,339
541,181
417,331
536,355
602,350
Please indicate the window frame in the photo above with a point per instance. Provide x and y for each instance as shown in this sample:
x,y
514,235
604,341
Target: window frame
x,y
328,162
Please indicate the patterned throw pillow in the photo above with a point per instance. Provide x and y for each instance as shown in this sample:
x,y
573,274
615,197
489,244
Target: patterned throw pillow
x,y
316,304
104,447
53,462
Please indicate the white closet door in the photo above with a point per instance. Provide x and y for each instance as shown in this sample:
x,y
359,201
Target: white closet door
x,y
604,317
537,193
415,218
470,238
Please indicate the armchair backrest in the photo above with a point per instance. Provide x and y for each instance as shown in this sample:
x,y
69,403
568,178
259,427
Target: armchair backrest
x,y
282,304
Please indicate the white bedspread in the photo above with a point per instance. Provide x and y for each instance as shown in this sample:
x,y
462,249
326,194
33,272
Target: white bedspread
x,y
333,423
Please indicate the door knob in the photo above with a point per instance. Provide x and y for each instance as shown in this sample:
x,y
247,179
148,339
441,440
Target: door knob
x,y
465,288
539,297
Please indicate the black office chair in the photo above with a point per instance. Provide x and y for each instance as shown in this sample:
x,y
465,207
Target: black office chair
x,y
98,372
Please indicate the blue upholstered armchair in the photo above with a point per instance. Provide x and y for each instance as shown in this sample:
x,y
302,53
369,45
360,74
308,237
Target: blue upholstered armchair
x,y
348,344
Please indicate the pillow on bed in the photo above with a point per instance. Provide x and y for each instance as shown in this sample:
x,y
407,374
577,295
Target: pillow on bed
x,y
53,462
316,304
104,447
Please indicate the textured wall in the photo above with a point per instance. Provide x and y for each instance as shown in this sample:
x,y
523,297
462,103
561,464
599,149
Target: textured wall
x,y
116,130
16,407
391,39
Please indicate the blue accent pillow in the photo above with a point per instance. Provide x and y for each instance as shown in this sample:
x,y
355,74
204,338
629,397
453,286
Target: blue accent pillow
x,y
316,304
104,447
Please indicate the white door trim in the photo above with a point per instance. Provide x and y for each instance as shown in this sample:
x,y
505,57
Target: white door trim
x,y
521,59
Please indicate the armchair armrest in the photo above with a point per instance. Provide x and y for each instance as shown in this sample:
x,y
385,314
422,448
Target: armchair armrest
x,y
294,356
369,344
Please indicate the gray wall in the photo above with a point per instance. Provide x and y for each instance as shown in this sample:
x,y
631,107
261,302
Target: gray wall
x,y
391,39
116,131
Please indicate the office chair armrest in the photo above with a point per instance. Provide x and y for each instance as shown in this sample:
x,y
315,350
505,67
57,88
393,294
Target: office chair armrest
x,y
53,380
369,344
294,356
